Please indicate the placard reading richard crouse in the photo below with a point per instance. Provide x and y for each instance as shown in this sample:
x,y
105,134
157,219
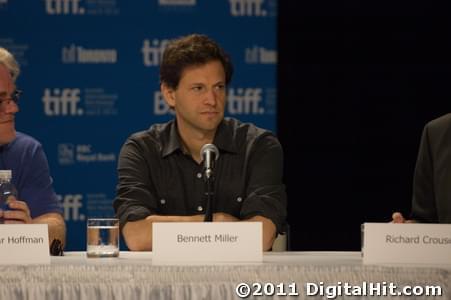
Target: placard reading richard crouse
x,y
407,243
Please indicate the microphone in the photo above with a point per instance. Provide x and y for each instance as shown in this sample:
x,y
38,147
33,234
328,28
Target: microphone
x,y
210,154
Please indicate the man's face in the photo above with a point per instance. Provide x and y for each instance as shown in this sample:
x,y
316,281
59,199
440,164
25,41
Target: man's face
x,y
8,108
199,99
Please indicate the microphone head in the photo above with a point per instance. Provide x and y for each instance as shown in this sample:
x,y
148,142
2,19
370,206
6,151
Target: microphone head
x,y
209,148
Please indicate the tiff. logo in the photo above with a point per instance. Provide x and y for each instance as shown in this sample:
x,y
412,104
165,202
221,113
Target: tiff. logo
x,y
248,8
64,7
61,102
71,206
153,53
245,101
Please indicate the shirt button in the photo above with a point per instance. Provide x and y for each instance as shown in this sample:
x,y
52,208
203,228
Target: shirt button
x,y
239,199
199,175
200,208
163,201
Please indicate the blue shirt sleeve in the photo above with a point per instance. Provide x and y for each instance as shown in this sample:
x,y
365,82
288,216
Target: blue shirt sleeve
x,y
31,175
36,186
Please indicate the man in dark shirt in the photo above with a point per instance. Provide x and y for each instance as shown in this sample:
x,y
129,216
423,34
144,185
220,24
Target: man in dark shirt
x,y
431,201
160,170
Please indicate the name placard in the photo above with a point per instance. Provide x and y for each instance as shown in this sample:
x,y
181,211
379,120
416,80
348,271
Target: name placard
x,y
406,243
198,242
23,244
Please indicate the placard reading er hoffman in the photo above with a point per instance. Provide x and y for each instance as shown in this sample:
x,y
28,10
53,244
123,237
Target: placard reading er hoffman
x,y
23,244
199,242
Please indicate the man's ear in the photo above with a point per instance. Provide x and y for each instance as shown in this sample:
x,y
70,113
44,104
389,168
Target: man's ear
x,y
168,94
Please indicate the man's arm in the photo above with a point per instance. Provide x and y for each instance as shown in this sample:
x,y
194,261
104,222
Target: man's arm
x,y
269,228
57,226
20,214
423,200
138,234
135,202
38,202
266,198
269,231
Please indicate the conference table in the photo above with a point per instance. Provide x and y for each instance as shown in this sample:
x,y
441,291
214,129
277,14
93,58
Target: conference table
x,y
281,275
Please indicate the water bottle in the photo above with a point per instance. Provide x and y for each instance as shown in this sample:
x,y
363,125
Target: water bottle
x,y
7,190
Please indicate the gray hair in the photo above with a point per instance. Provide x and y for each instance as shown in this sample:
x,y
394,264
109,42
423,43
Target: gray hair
x,y
8,60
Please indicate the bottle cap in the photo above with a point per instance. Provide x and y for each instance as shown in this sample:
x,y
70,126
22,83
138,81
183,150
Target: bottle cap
x,y
5,174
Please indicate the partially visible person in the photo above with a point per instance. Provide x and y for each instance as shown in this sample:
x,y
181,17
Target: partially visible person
x,y
37,202
160,169
431,202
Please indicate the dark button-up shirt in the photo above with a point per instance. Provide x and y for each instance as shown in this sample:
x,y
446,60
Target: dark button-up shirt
x,y
157,177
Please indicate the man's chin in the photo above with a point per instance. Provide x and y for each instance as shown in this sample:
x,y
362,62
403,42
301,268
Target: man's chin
x,y
210,126
7,137
213,122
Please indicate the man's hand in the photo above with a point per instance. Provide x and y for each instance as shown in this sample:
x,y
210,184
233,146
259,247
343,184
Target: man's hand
x,y
19,212
399,218
269,229
223,217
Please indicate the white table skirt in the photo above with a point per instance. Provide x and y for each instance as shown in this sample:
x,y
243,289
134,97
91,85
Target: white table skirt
x,y
132,276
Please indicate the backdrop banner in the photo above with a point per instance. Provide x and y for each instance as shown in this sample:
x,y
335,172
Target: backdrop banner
x,y
90,79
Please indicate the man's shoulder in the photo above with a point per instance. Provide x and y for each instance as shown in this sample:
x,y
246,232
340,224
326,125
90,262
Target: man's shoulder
x,y
438,131
243,130
439,128
25,141
153,138
443,122
154,132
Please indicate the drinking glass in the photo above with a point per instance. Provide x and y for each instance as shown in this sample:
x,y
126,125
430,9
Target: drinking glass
x,y
102,237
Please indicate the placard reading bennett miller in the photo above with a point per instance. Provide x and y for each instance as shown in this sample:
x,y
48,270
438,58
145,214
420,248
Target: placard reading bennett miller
x,y
207,238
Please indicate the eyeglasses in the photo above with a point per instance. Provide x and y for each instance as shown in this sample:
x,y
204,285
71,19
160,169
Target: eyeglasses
x,y
14,97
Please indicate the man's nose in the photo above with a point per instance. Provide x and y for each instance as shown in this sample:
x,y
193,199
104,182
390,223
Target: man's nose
x,y
210,98
11,107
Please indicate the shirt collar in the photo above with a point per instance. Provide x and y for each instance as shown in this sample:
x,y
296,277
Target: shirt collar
x,y
224,139
8,145
171,141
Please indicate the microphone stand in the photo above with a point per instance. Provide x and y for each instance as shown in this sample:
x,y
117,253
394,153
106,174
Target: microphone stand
x,y
209,193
